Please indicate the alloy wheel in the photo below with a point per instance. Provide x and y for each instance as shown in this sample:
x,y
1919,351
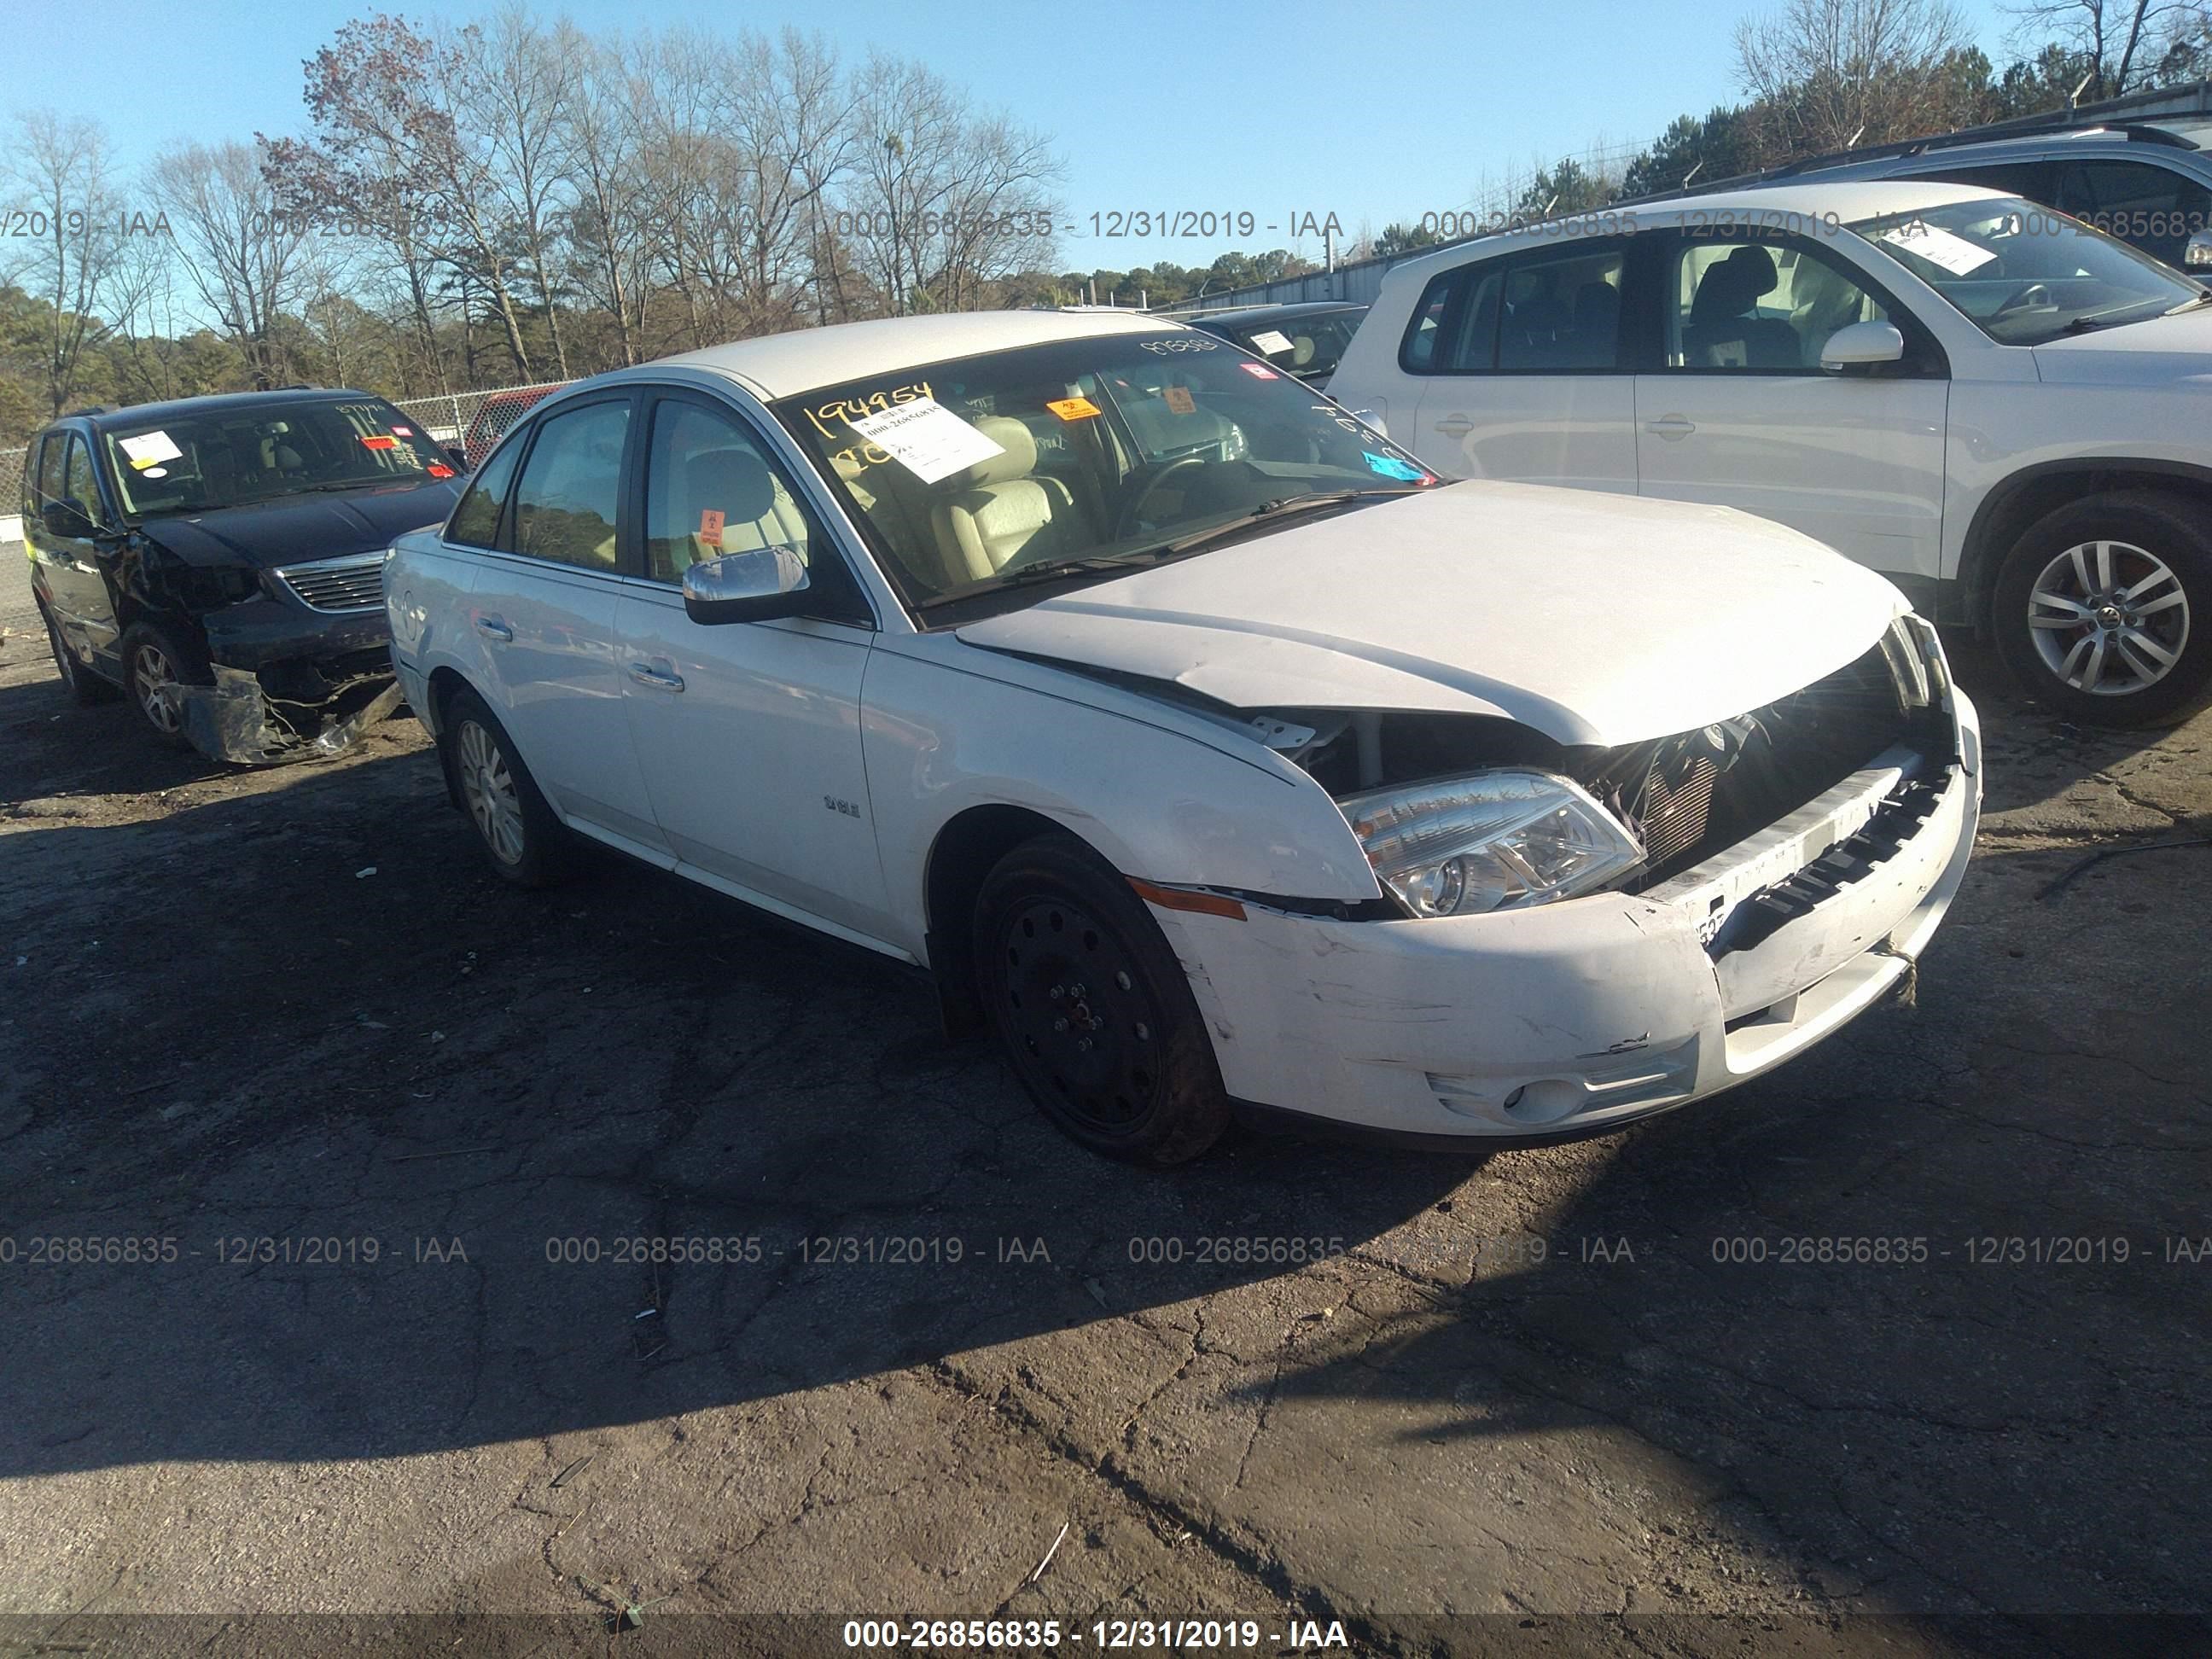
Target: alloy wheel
x,y
151,674
2109,618
488,788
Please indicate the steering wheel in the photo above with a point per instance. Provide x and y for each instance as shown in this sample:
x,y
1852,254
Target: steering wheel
x,y
1132,513
2033,294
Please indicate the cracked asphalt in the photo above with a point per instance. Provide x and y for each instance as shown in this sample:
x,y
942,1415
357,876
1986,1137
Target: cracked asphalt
x,y
1577,1399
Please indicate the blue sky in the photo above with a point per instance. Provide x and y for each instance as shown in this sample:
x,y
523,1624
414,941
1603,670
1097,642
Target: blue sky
x,y
1374,111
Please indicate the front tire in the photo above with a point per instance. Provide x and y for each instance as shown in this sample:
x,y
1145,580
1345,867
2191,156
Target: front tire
x,y
515,825
1094,1011
155,657
2103,610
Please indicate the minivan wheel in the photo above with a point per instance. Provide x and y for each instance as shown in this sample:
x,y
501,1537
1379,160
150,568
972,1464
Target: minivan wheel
x,y
2104,609
1093,1010
526,844
156,657
83,685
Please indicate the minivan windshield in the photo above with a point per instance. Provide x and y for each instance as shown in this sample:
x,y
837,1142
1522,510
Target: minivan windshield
x,y
982,475
2025,274
249,452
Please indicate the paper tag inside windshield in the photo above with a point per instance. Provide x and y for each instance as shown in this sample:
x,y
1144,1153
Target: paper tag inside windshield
x,y
1271,341
151,449
1939,246
926,437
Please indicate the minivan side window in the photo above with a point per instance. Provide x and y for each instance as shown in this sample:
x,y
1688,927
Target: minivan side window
x,y
565,504
49,486
474,522
78,485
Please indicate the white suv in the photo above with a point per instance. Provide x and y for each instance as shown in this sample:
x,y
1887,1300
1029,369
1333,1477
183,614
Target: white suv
x,y
1998,408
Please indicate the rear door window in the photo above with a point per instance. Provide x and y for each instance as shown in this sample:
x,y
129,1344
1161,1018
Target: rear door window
x,y
2154,208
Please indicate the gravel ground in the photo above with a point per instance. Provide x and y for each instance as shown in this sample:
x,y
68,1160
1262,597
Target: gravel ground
x,y
1520,1402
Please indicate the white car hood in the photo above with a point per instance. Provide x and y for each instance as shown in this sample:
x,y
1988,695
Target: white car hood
x,y
2157,351
1594,619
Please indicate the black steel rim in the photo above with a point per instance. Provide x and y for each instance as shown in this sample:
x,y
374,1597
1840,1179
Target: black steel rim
x,y
1085,1028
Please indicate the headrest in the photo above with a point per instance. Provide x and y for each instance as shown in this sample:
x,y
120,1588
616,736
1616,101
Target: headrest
x,y
1018,461
1733,287
1302,351
733,482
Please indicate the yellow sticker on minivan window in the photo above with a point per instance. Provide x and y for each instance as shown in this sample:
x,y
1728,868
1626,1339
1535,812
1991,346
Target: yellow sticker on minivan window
x,y
1073,409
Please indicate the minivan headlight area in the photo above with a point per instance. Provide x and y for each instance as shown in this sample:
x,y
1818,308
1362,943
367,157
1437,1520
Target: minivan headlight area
x,y
1498,841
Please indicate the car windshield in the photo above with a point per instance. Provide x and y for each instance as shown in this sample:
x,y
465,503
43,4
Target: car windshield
x,y
979,476
1307,346
2026,274
235,456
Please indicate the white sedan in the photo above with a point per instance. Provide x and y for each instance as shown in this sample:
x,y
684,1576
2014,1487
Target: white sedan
x,y
1219,755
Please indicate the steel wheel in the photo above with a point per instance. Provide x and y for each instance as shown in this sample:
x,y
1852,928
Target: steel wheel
x,y
2109,618
487,788
151,673
1081,1015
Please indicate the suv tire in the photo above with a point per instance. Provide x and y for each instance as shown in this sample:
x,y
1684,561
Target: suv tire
x,y
2113,593
156,655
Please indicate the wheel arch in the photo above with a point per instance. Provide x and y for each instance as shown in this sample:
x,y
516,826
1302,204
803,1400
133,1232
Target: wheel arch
x,y
961,855
445,682
2008,511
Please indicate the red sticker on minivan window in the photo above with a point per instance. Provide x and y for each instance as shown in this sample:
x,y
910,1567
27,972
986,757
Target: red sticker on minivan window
x,y
379,441
1259,371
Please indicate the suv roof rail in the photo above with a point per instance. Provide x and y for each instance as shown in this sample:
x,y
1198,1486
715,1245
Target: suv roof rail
x,y
1985,134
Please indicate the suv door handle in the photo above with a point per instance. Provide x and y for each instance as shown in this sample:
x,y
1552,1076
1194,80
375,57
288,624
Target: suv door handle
x,y
661,679
1674,427
493,629
1455,426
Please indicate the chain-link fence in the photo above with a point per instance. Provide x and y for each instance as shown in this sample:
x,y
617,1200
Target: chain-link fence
x,y
472,422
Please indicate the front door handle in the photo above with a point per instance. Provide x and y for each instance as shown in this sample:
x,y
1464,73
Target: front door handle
x,y
1455,426
493,629
1673,427
659,678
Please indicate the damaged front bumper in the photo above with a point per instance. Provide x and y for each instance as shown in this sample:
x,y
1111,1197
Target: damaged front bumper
x,y
291,682
1570,1019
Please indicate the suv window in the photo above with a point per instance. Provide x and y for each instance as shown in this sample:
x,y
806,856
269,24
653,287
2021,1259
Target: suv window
x,y
710,489
2153,206
474,522
1560,313
1759,306
78,484
49,486
565,504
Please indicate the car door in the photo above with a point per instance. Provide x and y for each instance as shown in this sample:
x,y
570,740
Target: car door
x,y
749,732
1518,359
1734,408
75,566
549,580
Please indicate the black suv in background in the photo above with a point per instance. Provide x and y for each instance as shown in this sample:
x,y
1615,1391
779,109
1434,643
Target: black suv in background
x,y
1304,338
220,561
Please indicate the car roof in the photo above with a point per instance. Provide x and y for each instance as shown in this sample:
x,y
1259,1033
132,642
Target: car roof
x,y
1847,201
779,364
2000,146
1244,314
177,409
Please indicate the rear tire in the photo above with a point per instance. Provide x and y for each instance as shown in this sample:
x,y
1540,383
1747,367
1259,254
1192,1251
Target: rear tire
x,y
525,842
155,656
84,687
1095,1013
2103,610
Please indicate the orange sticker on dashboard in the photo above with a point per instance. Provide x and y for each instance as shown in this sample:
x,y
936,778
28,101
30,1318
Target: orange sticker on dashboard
x,y
379,441
1180,400
1073,409
710,526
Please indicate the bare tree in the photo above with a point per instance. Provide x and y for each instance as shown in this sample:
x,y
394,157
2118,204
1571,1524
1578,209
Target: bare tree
x,y
611,221
514,88
1832,73
2121,40
241,256
77,223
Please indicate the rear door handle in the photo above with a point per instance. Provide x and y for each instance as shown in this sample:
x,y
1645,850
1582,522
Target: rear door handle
x,y
493,629
659,678
1671,426
1455,426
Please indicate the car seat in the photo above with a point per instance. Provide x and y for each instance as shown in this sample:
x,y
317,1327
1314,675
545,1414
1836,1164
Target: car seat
x,y
1002,507
1721,334
756,510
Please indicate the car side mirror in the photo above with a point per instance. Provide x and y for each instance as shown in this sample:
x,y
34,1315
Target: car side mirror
x,y
458,456
1862,347
750,587
68,521
2197,254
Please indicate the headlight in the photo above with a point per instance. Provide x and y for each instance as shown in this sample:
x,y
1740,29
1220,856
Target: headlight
x,y
1493,841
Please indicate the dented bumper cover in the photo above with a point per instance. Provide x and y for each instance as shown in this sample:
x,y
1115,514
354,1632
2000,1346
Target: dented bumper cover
x,y
1573,1019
